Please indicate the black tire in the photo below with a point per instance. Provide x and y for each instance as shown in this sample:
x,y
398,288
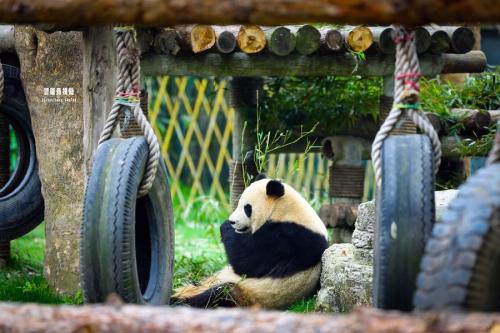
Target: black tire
x,y
21,201
461,265
127,244
405,216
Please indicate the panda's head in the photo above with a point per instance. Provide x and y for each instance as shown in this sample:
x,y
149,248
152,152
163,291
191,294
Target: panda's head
x,y
271,200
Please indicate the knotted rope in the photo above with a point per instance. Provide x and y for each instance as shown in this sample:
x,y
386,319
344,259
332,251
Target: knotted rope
x,y
128,99
406,100
494,156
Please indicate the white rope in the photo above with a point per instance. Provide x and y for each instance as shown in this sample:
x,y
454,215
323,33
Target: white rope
x,y
128,97
406,92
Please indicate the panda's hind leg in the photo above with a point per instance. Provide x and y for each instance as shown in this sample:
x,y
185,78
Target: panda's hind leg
x,y
219,295
217,290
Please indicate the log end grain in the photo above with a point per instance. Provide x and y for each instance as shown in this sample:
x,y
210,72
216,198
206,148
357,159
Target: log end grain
x,y
202,38
251,39
359,39
307,39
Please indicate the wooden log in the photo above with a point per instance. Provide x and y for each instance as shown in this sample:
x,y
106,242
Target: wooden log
x,y
165,42
339,214
145,39
359,39
149,319
462,39
7,40
226,40
251,39
342,64
439,124
307,39
331,39
382,38
475,122
266,12
280,40
440,42
197,38
422,39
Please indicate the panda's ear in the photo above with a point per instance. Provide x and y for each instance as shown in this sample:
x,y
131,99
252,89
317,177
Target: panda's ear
x,y
260,176
275,188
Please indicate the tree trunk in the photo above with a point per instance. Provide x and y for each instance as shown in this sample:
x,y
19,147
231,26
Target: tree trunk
x,y
55,61
267,12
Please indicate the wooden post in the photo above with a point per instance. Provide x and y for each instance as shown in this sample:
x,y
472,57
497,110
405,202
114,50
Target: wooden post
x,y
245,92
4,178
99,82
404,126
346,183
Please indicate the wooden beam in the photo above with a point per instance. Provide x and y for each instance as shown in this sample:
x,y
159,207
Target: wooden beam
x,y
134,318
266,12
7,40
240,64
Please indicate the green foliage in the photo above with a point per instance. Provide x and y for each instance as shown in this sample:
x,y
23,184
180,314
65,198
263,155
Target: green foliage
x,y
478,146
267,143
304,306
479,91
333,102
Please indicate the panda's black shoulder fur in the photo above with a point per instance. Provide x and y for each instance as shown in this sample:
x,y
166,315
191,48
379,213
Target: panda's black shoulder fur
x,y
277,249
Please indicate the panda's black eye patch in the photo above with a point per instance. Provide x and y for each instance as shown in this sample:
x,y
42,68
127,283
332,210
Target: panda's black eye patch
x,y
248,210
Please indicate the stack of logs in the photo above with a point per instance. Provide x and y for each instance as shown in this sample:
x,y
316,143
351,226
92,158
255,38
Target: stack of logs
x,y
304,39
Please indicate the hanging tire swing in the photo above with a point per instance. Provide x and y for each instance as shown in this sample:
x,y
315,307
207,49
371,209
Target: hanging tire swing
x,y
405,168
21,201
461,265
127,235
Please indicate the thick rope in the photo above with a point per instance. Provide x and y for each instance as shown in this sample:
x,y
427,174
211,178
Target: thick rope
x,y
406,92
494,156
128,98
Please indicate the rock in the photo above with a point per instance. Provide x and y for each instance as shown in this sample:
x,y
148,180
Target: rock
x,y
346,278
362,239
366,216
443,198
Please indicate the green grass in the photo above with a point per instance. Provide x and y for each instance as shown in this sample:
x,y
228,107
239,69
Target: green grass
x,y
198,254
22,280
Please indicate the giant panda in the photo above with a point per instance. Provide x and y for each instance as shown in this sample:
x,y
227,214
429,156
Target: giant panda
x,y
273,241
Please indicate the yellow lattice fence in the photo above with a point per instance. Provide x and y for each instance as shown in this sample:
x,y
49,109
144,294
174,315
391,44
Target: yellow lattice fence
x,y
194,121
